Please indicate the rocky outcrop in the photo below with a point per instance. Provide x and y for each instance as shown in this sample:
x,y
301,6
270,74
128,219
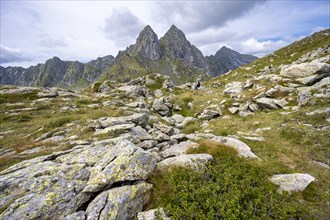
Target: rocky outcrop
x,y
226,59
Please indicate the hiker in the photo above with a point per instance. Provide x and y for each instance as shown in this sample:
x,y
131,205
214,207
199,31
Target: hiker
x,y
198,84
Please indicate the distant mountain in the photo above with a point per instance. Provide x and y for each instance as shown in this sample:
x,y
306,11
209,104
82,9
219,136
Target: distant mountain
x,y
226,59
55,72
172,55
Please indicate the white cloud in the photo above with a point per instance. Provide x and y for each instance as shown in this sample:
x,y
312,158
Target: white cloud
x,y
84,30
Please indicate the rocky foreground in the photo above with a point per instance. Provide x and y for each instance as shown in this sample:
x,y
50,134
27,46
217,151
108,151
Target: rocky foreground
x,y
92,152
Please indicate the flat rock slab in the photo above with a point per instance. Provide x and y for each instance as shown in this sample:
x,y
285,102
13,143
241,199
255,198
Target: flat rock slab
x,y
114,128
138,119
194,161
292,182
57,185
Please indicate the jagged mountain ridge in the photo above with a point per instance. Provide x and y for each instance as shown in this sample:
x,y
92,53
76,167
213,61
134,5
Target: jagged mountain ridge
x,y
56,72
227,59
172,55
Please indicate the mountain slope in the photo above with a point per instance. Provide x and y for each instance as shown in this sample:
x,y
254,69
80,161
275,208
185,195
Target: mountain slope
x,y
226,59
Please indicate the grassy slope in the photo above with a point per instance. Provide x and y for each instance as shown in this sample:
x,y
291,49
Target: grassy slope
x,y
289,147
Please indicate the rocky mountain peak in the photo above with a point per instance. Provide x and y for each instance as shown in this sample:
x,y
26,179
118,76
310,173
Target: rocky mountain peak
x,y
176,46
147,45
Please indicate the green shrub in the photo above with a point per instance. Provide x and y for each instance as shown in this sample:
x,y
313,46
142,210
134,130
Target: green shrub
x,y
230,188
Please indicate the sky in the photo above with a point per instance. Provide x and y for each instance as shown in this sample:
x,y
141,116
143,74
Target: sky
x,y
34,31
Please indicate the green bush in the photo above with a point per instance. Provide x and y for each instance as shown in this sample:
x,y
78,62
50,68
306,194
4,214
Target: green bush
x,y
230,188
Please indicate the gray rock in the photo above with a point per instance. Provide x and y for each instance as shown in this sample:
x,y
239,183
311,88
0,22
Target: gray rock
x,y
138,119
158,93
162,107
310,80
169,130
281,103
140,133
233,110
119,203
114,129
242,149
248,84
267,103
148,144
292,182
75,216
194,161
208,114
233,88
138,91
305,69
153,214
304,97
104,87
124,162
178,149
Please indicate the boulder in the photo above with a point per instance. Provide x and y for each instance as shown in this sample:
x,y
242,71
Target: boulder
x,y
104,87
123,202
305,69
292,182
208,114
310,80
267,103
169,130
124,162
158,93
193,161
304,97
162,107
233,88
153,214
178,149
242,149
138,119
137,91
284,89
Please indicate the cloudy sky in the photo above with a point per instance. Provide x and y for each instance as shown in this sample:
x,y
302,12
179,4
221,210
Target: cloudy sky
x,y
34,31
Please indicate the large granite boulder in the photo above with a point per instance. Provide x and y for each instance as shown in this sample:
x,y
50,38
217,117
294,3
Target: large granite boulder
x,y
305,69
61,184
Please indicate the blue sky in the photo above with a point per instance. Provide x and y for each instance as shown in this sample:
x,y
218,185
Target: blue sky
x,y
34,31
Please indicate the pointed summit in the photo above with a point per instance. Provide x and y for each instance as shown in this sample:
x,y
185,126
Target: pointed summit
x,y
176,46
147,45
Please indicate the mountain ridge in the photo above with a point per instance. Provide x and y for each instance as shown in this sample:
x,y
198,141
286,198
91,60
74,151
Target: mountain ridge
x,y
172,55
